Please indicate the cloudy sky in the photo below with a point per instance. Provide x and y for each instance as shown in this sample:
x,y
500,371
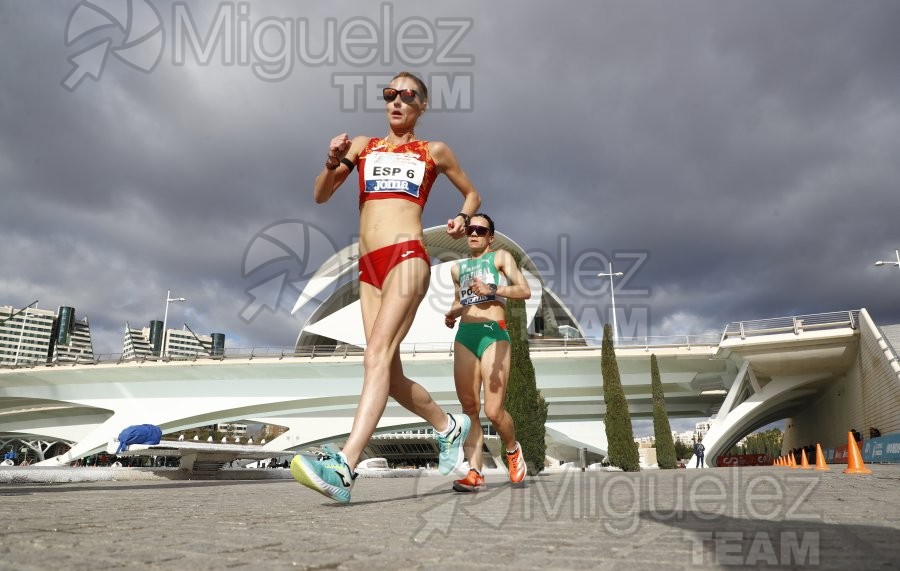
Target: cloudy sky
x,y
739,160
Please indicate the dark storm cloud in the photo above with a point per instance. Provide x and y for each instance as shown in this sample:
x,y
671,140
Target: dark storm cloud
x,y
749,149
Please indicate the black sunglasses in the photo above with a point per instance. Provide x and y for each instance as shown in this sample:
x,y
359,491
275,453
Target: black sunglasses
x,y
475,230
406,95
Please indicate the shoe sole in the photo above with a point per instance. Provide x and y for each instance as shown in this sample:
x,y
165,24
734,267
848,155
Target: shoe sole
x,y
306,475
457,487
460,453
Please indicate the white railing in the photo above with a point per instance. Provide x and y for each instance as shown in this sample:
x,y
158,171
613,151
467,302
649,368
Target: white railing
x,y
742,329
410,349
796,324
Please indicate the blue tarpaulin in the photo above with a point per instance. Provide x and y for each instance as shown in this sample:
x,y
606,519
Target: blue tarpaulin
x,y
139,434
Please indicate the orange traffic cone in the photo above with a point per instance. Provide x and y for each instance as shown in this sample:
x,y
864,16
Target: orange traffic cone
x,y
820,458
775,462
781,461
854,458
791,462
804,463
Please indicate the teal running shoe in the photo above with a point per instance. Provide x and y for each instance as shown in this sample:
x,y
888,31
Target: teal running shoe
x,y
451,454
329,474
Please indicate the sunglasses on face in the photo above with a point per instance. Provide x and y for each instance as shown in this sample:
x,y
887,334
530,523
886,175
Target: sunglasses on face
x,y
474,230
406,95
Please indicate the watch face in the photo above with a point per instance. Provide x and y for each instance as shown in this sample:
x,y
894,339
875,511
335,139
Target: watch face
x,y
493,287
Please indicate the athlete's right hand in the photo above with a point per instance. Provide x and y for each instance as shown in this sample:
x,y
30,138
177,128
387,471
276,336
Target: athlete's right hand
x,y
449,320
339,146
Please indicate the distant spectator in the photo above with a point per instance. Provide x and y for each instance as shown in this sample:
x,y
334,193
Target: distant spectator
x,y
856,435
699,450
874,432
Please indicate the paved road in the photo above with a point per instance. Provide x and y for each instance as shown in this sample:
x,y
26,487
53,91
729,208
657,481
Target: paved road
x,y
715,518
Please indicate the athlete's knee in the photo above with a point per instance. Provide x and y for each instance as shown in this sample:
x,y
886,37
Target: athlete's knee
x,y
376,359
494,412
470,408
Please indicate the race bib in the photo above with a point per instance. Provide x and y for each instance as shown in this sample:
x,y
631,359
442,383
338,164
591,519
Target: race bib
x,y
469,297
394,172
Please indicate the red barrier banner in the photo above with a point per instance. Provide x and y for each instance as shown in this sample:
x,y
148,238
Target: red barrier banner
x,y
837,455
744,460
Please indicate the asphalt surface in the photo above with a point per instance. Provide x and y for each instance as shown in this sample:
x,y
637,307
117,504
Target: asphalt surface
x,y
718,518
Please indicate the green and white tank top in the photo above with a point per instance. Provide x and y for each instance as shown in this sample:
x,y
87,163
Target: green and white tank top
x,y
482,267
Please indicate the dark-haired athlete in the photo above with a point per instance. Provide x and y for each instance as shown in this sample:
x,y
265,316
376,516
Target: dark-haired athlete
x,y
481,352
396,173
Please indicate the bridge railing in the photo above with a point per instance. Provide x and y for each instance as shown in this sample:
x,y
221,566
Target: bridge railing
x,y
743,329
795,324
645,342
343,350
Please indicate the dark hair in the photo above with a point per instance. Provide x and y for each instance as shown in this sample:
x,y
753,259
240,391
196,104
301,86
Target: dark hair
x,y
418,81
486,217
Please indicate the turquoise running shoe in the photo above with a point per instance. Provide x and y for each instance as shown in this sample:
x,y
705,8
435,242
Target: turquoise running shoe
x,y
452,455
329,474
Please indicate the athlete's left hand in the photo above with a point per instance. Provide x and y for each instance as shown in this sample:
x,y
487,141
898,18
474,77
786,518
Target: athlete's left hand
x,y
480,288
456,227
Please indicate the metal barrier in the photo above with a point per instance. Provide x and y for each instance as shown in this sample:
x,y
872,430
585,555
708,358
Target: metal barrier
x,y
743,329
795,324
408,349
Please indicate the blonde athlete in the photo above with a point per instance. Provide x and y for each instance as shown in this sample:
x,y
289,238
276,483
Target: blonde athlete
x,y
396,174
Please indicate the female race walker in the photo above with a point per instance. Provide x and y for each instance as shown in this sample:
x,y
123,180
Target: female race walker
x,y
481,352
396,174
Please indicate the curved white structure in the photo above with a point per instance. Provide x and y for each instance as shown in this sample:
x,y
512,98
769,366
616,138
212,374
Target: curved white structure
x,y
315,397
827,373
824,379
337,321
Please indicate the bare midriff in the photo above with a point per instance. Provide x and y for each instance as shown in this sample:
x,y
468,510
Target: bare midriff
x,y
388,221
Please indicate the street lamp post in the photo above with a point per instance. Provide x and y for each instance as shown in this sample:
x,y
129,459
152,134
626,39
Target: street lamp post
x,y
896,264
612,294
169,299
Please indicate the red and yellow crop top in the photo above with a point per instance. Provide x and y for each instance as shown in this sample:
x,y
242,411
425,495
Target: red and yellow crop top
x,y
404,171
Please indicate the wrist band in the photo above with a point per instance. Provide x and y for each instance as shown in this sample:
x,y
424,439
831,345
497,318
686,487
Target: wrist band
x,y
348,162
465,216
332,165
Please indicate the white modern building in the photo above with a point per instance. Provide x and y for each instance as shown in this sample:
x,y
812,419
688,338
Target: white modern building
x,y
335,323
686,438
147,343
700,430
32,335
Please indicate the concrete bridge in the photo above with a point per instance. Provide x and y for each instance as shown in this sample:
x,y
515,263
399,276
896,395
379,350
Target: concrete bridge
x,y
807,368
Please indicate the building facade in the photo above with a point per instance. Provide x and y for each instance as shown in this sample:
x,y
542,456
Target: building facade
x,y
149,342
31,336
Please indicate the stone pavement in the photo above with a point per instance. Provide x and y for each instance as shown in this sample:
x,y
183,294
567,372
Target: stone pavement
x,y
677,519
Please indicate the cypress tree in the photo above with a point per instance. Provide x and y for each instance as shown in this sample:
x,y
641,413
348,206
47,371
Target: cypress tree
x,y
665,445
523,400
619,434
